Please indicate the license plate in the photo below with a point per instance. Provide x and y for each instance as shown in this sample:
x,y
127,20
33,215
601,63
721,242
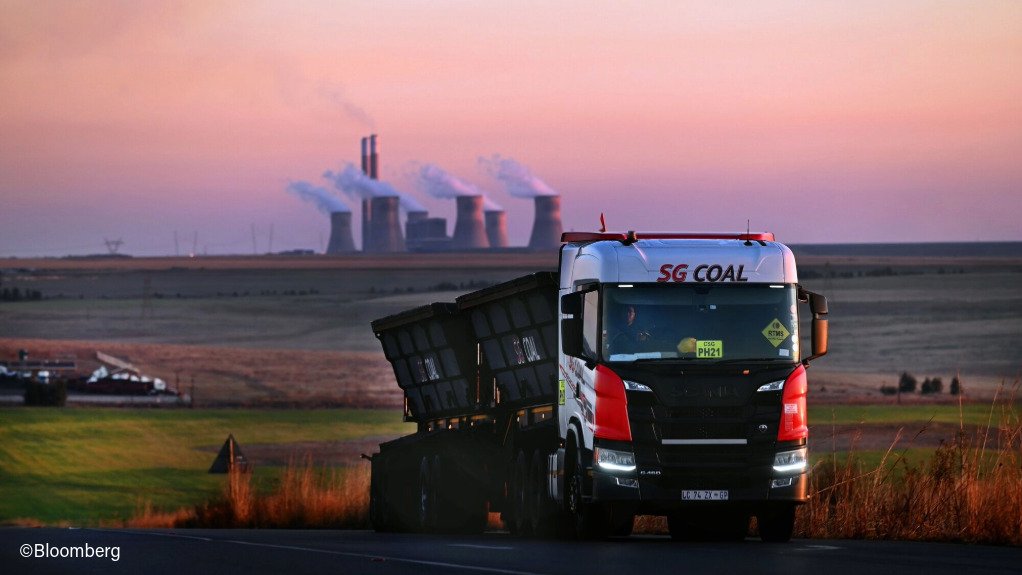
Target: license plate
x,y
704,495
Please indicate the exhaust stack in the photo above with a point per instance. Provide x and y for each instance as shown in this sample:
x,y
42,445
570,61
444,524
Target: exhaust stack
x,y
469,228
546,228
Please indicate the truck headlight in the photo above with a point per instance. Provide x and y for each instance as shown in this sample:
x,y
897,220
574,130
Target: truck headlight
x,y
614,460
791,461
633,386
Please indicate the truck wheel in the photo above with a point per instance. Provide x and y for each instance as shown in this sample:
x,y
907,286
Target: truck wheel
x,y
777,524
427,497
586,517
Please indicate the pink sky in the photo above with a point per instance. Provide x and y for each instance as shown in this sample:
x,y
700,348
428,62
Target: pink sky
x,y
823,122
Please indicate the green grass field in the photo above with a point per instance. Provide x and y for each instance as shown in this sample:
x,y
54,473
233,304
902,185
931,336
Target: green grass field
x,y
912,416
86,466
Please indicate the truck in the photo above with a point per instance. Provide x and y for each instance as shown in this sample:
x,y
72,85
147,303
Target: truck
x,y
649,374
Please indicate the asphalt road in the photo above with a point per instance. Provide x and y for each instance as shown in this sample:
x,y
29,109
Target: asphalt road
x,y
155,552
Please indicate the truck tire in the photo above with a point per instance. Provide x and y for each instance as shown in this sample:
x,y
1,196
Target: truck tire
x,y
426,517
378,504
776,524
586,517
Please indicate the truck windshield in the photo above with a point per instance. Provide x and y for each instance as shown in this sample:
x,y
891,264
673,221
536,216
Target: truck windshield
x,y
700,322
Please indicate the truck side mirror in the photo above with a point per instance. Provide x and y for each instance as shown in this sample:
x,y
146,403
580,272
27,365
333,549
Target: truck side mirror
x,y
819,337
571,337
571,304
818,306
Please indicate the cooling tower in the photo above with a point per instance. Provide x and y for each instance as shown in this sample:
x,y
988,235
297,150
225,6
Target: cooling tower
x,y
546,228
469,227
385,225
496,228
341,239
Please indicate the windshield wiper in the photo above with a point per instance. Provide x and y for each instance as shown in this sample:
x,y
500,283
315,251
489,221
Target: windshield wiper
x,y
751,360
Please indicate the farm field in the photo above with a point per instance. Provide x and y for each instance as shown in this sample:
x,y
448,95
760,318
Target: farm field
x,y
86,466
294,333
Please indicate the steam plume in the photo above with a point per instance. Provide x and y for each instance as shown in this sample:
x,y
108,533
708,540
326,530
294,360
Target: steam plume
x,y
353,182
517,179
321,197
439,183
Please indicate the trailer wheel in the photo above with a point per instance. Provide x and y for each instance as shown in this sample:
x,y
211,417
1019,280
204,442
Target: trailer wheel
x,y
377,504
777,524
521,495
426,519
588,521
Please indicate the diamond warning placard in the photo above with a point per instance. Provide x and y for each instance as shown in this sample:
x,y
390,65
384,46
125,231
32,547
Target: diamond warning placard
x,y
776,332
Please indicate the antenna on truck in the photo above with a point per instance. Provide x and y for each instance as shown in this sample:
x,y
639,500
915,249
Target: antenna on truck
x,y
603,224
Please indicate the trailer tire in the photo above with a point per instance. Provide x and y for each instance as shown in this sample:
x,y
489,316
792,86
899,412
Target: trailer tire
x,y
426,517
776,524
378,512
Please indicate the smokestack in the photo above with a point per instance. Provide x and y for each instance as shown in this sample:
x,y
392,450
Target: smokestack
x,y
367,216
496,228
469,227
546,228
385,228
365,156
374,158
341,239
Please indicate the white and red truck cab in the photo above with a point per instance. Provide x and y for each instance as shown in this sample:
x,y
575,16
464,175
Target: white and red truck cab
x,y
653,373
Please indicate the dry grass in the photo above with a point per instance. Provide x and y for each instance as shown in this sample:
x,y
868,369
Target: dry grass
x,y
969,491
306,497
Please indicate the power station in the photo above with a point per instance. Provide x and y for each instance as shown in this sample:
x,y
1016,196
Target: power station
x,y
479,223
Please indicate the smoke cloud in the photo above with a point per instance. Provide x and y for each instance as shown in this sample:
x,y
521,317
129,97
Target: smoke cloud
x,y
516,178
321,197
356,185
439,183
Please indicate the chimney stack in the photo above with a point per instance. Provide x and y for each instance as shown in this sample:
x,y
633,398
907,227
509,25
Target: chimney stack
x,y
546,228
341,239
469,227
374,158
496,228
367,216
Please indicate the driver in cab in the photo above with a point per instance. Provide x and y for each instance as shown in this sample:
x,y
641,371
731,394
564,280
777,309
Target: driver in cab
x,y
631,334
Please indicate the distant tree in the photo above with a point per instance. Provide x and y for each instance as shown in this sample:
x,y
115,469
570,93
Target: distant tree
x,y
926,388
956,386
907,383
888,390
936,385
